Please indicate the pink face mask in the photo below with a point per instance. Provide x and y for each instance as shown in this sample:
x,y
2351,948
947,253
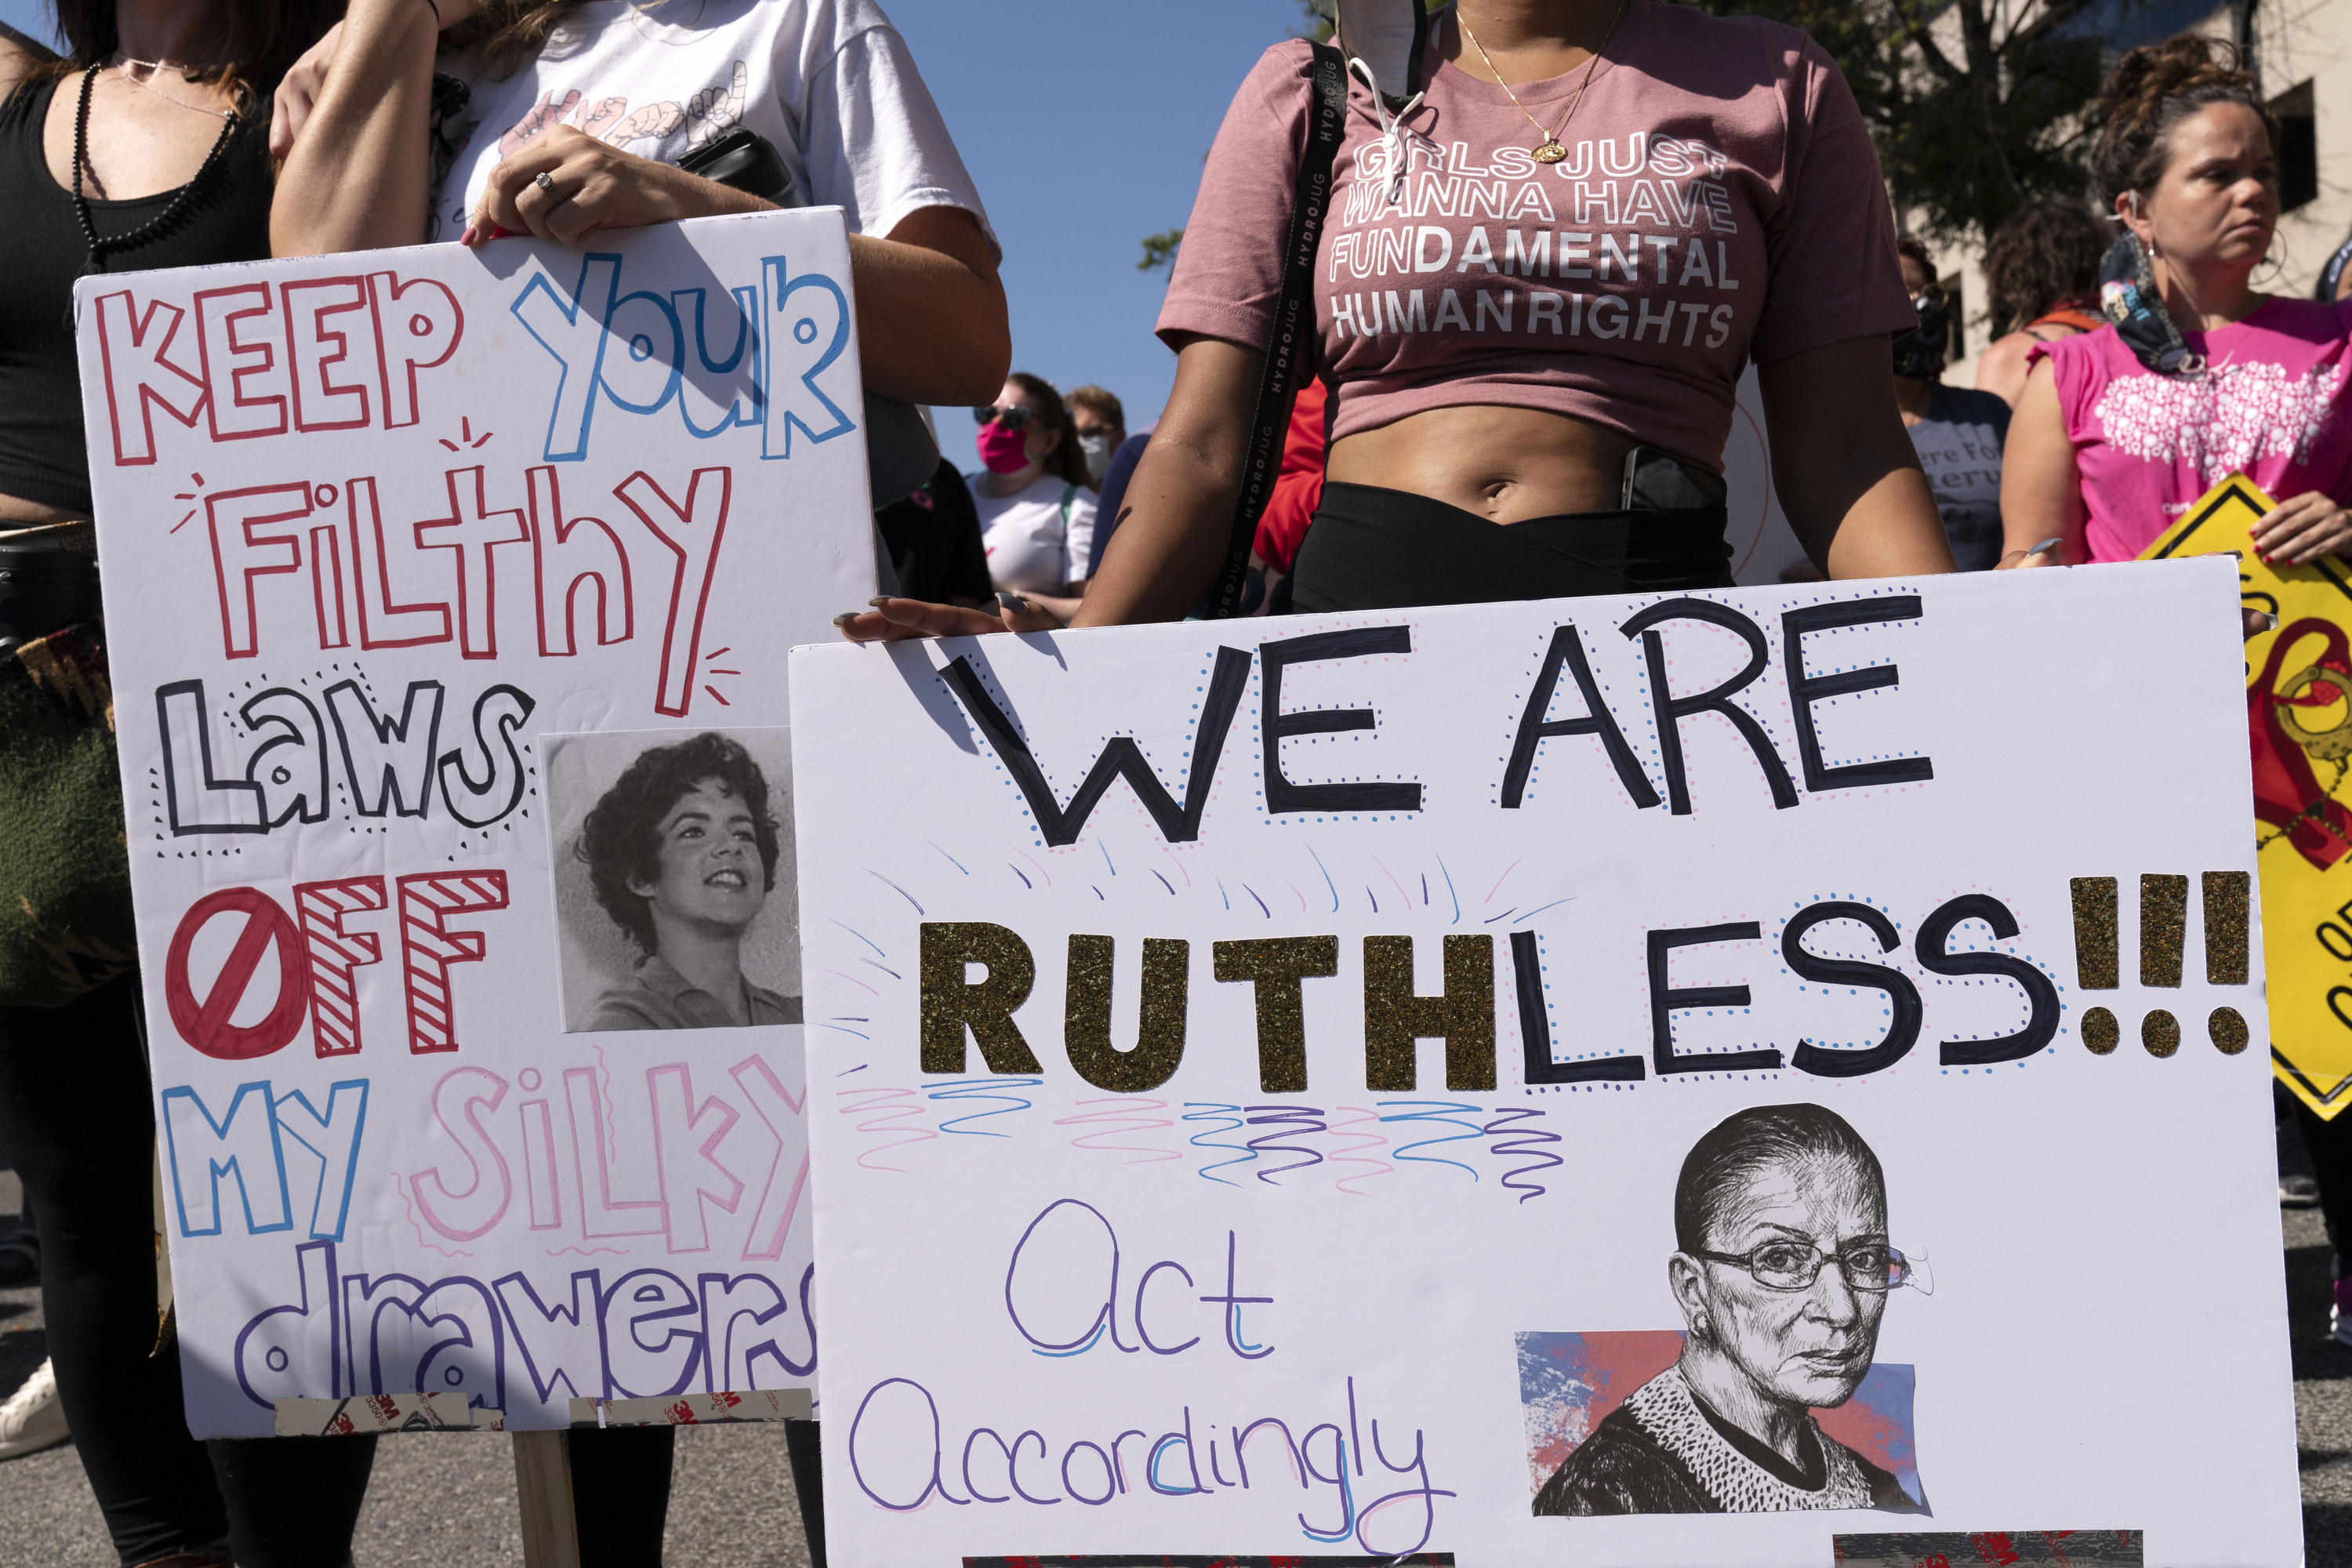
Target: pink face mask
x,y
1002,451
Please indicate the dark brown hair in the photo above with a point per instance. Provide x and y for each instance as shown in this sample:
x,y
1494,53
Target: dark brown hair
x,y
2153,89
620,841
258,40
1067,461
2047,253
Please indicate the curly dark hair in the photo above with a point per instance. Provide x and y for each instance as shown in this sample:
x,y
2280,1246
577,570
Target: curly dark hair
x,y
619,842
2153,89
2045,255
1748,1140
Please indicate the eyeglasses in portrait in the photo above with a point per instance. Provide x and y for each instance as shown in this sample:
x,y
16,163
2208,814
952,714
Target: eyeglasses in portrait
x,y
1769,1398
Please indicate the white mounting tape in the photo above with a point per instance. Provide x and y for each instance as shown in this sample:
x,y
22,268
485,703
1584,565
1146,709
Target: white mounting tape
x,y
695,1409
383,1413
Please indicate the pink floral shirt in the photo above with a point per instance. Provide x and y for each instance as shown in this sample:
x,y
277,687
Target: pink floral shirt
x,y
2269,405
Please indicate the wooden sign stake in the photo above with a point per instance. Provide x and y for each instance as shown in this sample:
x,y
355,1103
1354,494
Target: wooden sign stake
x,y
551,1539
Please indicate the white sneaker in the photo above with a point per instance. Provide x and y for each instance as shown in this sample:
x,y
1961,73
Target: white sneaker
x,y
33,1419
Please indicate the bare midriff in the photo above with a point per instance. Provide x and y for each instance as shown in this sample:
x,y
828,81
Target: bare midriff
x,y
1506,465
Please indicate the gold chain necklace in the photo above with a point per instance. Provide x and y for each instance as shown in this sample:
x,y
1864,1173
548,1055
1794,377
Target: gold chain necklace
x,y
1548,150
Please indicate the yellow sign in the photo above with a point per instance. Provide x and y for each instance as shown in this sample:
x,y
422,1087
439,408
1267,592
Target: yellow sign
x,y
2299,710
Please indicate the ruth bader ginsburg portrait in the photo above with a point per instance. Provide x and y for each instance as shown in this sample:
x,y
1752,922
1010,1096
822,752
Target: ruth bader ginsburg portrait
x,y
1781,1267
675,889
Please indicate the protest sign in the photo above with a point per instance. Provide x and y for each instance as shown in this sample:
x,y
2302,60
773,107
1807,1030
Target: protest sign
x,y
2299,713
450,592
1410,1082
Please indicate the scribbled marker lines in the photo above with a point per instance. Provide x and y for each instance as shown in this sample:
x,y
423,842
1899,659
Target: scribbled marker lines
x,y
1357,1116
1121,1114
1522,1144
1200,1110
1434,1110
1289,1121
883,1108
837,974
983,1089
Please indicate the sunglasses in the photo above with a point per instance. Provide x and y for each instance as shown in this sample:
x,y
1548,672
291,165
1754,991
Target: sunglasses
x,y
1013,415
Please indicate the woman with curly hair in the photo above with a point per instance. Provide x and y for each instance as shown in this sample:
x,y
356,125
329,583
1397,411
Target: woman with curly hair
x,y
2107,450
2042,268
681,852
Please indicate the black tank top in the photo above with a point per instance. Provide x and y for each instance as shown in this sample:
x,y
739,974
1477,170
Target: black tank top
x,y
42,455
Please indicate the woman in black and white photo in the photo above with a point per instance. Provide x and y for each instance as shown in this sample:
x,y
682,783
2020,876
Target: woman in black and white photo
x,y
681,853
1782,1269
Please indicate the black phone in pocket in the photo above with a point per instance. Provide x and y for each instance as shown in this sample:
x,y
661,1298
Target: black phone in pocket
x,y
1659,482
748,162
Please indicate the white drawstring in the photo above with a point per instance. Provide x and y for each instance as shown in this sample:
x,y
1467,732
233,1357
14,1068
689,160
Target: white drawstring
x,y
1391,127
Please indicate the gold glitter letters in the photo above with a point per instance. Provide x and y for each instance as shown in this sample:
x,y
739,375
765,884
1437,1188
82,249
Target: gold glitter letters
x,y
951,1003
2226,897
1394,1016
2163,931
1160,1034
2094,934
1277,964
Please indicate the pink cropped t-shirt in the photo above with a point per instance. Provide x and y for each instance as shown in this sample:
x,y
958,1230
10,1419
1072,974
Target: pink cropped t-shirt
x,y
2269,405
1720,202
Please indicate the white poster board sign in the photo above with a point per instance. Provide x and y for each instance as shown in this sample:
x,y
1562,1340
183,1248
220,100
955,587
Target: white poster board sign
x,y
450,594
1507,1080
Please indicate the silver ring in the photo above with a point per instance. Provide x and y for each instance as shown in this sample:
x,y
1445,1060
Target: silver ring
x,y
544,183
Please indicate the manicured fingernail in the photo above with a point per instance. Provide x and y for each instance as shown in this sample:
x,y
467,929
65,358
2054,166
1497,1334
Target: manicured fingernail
x,y
845,620
1013,601
467,237
2045,547
2270,622
878,600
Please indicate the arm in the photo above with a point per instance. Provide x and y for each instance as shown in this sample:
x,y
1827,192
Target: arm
x,y
1178,512
1848,476
1173,523
2040,488
357,172
931,320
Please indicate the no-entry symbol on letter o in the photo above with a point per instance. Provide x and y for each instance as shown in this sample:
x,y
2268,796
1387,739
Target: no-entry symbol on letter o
x,y
203,1022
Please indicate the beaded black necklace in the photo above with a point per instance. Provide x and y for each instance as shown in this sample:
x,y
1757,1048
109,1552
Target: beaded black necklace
x,y
154,227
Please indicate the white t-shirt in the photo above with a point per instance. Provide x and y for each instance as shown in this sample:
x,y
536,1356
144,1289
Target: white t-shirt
x,y
1031,549
830,82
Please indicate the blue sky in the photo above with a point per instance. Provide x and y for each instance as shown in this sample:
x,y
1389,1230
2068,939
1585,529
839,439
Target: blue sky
x,y
1084,122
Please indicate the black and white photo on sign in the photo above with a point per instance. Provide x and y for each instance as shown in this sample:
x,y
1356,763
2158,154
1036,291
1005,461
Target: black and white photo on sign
x,y
672,857
1781,1267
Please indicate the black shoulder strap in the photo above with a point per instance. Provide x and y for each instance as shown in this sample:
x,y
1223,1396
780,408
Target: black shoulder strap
x,y
1288,345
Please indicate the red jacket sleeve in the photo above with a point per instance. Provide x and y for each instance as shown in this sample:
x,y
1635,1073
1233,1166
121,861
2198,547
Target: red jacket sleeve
x,y
1298,489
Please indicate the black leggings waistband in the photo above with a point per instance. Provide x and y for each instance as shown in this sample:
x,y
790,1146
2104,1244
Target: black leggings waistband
x,y
1372,549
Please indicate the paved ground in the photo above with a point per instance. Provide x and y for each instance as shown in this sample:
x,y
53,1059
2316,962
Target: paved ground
x,y
443,1501
433,1500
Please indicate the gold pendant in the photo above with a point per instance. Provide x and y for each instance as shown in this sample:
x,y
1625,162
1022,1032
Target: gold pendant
x,y
1550,152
